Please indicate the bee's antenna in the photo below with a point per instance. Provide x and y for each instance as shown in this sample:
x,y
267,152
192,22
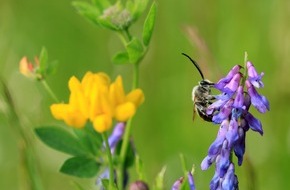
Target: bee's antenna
x,y
195,64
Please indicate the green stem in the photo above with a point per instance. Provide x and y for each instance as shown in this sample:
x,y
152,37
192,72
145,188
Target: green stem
x,y
48,89
124,147
109,154
245,74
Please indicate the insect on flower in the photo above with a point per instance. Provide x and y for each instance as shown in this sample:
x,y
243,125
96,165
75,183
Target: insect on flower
x,y
201,94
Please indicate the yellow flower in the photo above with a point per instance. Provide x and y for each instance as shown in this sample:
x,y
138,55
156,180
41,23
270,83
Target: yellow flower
x,y
96,99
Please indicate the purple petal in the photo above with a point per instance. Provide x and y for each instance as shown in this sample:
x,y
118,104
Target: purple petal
x,y
259,102
253,76
207,162
116,135
239,148
254,123
223,162
215,147
229,179
223,113
191,181
233,85
239,99
214,183
177,184
232,134
215,106
224,81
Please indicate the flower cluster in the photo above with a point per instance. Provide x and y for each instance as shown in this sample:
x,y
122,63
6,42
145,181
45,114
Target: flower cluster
x,y
231,111
96,99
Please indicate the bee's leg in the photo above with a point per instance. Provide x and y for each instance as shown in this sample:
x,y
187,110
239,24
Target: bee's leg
x,y
201,109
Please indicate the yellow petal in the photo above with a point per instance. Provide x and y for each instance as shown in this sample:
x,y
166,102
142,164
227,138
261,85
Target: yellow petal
x,y
75,119
67,113
125,111
87,82
59,111
77,97
117,94
104,78
136,96
102,123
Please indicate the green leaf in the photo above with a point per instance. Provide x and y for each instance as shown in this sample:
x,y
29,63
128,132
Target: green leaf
x,y
43,57
121,58
130,154
136,8
88,11
52,68
159,181
60,140
79,166
90,139
101,4
105,183
135,50
149,24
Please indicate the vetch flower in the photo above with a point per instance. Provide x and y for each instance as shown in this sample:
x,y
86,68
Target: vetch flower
x,y
178,183
231,111
97,99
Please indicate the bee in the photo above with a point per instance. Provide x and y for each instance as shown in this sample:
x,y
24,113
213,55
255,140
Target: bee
x,y
201,95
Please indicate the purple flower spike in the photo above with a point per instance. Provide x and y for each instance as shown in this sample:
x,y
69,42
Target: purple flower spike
x,y
254,123
254,77
116,135
259,102
231,110
191,181
221,83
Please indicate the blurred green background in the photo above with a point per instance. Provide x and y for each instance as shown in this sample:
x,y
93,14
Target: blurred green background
x,y
215,33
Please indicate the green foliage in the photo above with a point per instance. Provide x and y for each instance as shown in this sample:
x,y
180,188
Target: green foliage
x,y
149,24
159,181
90,139
88,11
43,57
60,140
135,50
136,7
80,166
121,58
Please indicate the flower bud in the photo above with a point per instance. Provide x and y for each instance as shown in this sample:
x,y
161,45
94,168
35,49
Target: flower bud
x,y
138,185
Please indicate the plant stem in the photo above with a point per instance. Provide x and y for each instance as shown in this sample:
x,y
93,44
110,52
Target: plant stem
x,y
245,74
109,154
48,89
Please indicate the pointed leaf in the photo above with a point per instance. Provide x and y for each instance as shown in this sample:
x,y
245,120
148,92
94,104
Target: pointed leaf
x,y
82,167
89,139
149,24
60,140
87,10
136,8
121,58
43,57
101,4
135,50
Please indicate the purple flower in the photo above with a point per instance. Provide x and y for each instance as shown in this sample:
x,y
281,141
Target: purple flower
x,y
222,83
254,123
116,135
177,184
231,111
254,77
259,102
